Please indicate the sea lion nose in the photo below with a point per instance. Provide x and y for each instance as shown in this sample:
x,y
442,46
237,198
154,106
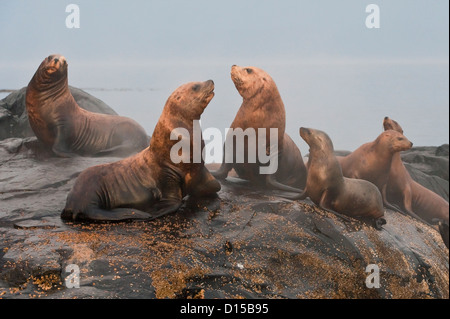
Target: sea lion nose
x,y
210,82
386,118
411,144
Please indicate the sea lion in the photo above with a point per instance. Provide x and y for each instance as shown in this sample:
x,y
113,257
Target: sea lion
x,y
148,184
410,196
372,161
263,108
329,189
67,129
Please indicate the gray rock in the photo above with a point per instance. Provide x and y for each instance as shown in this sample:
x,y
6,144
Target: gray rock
x,y
429,166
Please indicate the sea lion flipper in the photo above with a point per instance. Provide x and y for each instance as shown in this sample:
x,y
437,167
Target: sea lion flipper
x,y
161,208
164,207
222,172
325,204
61,153
202,183
271,181
60,146
122,150
99,214
298,196
389,205
346,218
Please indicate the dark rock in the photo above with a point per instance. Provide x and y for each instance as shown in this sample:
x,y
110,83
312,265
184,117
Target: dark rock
x,y
429,166
244,243
14,118
442,150
430,160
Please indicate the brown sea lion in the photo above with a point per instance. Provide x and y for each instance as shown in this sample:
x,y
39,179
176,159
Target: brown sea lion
x,y
372,161
413,198
148,184
263,108
330,190
67,129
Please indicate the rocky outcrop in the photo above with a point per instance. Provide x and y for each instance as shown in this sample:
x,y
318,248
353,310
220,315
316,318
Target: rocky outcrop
x,y
244,243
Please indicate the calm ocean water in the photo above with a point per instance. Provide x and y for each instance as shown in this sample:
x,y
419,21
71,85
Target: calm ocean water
x,y
348,100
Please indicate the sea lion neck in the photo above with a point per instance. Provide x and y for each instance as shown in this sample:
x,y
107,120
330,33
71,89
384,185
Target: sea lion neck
x,y
49,87
382,148
266,103
320,152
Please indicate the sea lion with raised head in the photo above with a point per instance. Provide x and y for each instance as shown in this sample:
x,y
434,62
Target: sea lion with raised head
x,y
413,198
148,184
262,108
330,190
372,161
67,129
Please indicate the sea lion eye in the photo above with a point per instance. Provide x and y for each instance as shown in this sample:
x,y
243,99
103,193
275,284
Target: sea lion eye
x,y
400,138
249,71
196,87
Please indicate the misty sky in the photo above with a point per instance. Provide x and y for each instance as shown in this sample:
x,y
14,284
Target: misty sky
x,y
206,29
328,66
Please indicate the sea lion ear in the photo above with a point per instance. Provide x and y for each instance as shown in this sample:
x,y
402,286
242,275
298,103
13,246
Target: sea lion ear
x,y
264,79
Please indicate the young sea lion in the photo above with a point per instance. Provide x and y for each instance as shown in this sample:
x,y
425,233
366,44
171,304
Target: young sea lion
x,y
330,190
148,184
413,198
69,130
372,161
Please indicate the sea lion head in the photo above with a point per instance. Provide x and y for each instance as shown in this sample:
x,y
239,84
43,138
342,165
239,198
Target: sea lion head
x,y
53,68
390,124
317,140
394,141
250,81
50,79
191,99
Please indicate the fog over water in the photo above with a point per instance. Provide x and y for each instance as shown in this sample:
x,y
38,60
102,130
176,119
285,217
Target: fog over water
x,y
333,72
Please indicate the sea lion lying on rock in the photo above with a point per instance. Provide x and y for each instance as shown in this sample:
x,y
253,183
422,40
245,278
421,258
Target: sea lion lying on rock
x,y
67,129
148,184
